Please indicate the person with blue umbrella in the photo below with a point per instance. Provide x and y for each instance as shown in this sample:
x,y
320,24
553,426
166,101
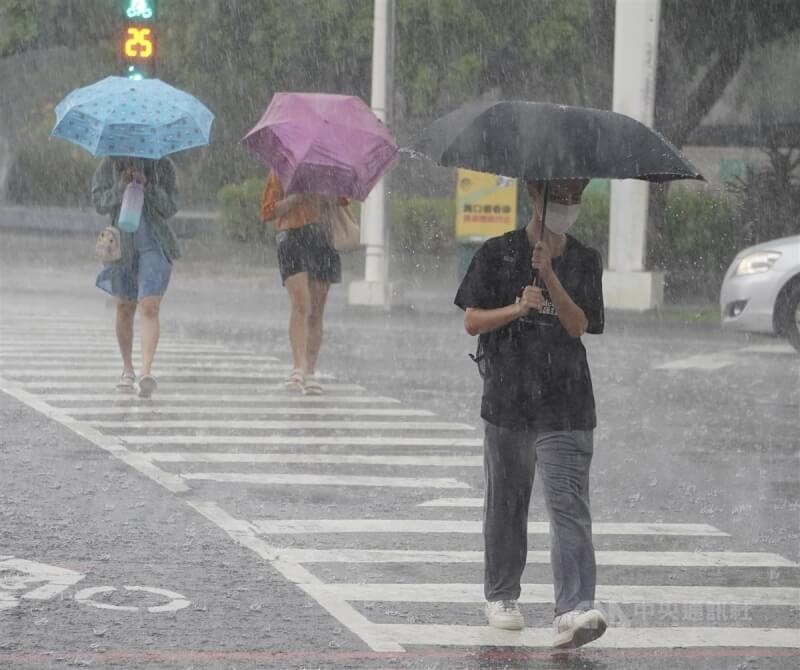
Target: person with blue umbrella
x,y
134,125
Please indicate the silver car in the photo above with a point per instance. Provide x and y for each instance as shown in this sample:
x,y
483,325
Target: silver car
x,y
761,290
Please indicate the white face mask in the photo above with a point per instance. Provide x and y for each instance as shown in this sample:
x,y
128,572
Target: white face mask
x,y
560,218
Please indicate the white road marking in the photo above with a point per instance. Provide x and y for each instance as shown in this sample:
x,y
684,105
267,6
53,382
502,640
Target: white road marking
x,y
709,362
453,502
672,559
342,611
108,443
615,638
384,637
782,347
165,363
158,410
57,580
176,600
333,459
435,526
286,425
163,372
301,440
175,352
326,480
221,398
105,345
756,596
204,385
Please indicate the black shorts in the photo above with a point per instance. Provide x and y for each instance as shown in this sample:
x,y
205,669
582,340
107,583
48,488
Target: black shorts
x,y
307,249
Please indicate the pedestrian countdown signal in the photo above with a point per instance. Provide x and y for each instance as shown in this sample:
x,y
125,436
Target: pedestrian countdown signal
x,y
139,38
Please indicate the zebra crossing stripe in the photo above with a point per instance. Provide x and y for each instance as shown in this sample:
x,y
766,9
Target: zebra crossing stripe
x,y
453,502
543,593
164,372
434,526
57,346
200,386
668,559
71,353
286,425
123,400
99,344
615,638
158,410
59,357
300,440
332,459
326,480
165,362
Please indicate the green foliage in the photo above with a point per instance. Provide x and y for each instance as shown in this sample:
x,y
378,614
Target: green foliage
x,y
591,228
698,240
18,25
240,211
417,224
696,244
422,225
62,171
42,24
770,197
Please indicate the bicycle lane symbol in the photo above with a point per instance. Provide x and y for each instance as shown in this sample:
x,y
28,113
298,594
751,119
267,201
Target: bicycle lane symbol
x,y
18,575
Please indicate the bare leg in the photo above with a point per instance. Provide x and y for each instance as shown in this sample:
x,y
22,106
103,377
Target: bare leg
x,y
298,288
151,330
319,295
124,326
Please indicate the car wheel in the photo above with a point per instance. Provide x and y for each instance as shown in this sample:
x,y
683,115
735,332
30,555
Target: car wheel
x,y
789,315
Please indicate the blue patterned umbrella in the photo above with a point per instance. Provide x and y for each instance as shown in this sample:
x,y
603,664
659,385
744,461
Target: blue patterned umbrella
x,y
144,118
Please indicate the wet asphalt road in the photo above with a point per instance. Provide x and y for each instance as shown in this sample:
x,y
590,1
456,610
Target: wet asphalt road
x,y
697,428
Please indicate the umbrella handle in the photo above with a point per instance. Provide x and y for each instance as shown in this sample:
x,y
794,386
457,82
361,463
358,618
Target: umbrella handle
x,y
534,273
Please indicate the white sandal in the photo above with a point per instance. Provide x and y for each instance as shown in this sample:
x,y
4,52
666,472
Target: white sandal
x,y
295,381
312,386
147,384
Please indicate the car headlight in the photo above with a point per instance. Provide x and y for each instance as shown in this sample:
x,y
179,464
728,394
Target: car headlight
x,y
759,261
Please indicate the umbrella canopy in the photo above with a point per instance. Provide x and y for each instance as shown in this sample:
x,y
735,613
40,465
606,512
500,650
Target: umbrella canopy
x,y
323,143
125,117
543,141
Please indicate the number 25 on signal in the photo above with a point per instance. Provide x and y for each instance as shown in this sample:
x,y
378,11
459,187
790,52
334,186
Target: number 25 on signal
x,y
139,43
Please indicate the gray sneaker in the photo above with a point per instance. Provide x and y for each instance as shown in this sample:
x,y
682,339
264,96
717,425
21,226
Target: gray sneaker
x,y
504,614
577,628
127,382
147,385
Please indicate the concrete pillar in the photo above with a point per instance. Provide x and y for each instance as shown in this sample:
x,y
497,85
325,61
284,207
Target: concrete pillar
x,y
626,284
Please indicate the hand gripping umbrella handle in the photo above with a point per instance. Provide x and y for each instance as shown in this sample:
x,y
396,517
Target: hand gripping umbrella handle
x,y
534,272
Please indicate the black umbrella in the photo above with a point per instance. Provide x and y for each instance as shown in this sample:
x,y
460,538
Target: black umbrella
x,y
543,141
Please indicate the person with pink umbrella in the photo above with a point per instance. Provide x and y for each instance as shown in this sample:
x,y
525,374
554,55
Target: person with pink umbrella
x,y
324,150
308,266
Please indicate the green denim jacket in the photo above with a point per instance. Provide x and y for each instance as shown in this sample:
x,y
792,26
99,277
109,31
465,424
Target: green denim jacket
x,y
160,194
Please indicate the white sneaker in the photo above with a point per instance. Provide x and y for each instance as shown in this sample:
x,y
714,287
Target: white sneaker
x,y
577,628
504,614
127,382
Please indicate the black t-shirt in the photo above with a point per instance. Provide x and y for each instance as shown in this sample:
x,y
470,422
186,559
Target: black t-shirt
x,y
536,376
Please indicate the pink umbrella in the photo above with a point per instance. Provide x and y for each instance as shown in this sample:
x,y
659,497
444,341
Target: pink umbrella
x,y
322,143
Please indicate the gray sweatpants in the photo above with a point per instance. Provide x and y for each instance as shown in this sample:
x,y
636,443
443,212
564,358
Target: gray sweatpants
x,y
510,458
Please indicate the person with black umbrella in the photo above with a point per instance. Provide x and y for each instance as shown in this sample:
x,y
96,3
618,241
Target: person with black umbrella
x,y
530,295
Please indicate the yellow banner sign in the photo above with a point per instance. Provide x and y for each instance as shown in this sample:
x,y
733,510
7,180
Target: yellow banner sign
x,y
486,204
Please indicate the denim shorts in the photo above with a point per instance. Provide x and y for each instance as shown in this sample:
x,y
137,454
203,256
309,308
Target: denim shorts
x,y
149,276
